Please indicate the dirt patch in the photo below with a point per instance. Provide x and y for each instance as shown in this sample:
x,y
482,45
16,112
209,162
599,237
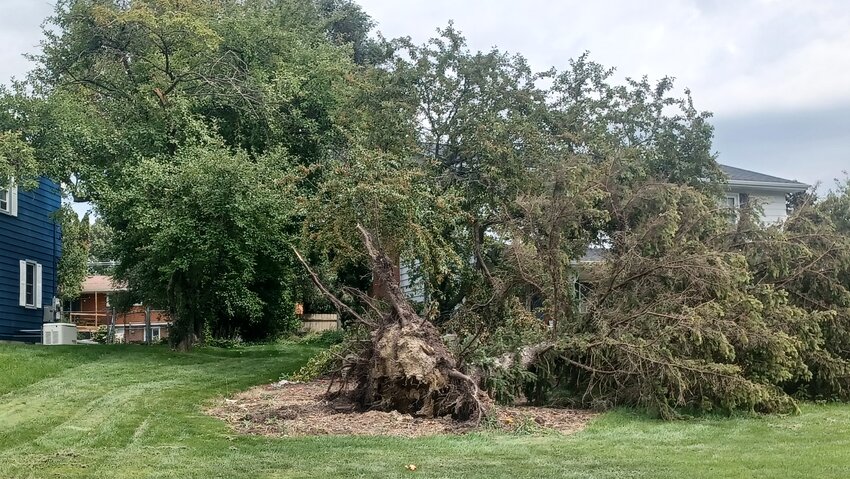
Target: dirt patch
x,y
299,409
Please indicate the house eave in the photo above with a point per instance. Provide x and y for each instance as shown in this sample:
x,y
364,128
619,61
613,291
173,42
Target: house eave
x,y
769,186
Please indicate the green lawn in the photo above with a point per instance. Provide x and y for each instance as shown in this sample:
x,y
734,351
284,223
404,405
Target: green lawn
x,y
116,411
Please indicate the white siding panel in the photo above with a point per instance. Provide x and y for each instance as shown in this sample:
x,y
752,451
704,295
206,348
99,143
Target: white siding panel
x,y
411,281
773,205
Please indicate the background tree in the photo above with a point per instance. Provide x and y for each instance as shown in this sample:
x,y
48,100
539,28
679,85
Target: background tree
x,y
347,24
102,252
125,91
208,236
17,156
478,123
76,243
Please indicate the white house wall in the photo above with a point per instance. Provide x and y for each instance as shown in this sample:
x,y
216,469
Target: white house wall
x,y
774,207
411,281
772,203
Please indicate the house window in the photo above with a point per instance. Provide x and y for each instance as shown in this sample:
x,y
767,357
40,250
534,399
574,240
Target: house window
x,y
30,284
731,204
155,334
582,290
9,200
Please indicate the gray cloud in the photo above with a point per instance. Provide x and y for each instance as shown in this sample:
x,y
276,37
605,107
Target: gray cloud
x,y
808,145
773,71
738,57
20,33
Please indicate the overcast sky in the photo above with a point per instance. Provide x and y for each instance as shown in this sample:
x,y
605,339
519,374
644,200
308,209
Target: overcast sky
x,y
776,73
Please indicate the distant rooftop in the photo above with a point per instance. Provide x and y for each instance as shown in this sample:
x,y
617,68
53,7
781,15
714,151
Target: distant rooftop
x,y
101,284
737,175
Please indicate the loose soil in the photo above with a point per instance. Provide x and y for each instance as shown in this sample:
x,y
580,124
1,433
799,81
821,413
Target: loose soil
x,y
300,409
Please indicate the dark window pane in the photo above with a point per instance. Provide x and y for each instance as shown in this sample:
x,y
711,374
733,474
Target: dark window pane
x,y
30,291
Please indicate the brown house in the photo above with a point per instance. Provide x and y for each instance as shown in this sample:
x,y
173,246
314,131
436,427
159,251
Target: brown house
x,y
93,310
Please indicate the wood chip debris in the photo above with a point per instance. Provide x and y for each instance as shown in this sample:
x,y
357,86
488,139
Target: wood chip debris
x,y
299,409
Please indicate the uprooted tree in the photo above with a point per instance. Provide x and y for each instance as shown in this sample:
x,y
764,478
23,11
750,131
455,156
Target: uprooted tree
x,y
676,316
405,364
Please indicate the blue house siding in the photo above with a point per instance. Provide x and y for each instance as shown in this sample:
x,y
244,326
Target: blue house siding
x,y
32,235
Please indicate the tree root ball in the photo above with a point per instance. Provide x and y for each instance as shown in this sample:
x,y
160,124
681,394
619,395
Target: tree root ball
x,y
408,368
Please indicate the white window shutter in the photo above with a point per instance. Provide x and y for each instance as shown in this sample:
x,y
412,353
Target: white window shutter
x,y
38,286
13,200
22,296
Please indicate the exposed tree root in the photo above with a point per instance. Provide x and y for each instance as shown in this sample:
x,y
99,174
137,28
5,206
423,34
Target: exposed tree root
x,y
406,366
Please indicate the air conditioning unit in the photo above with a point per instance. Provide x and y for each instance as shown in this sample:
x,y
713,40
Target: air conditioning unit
x,y
59,333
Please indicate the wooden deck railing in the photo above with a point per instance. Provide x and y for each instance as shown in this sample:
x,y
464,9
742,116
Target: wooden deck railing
x,y
95,319
92,319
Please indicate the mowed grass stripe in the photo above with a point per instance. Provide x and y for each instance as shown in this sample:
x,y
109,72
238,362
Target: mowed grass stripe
x,y
116,412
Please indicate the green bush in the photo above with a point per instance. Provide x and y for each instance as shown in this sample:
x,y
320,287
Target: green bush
x,y
322,364
100,335
226,343
324,338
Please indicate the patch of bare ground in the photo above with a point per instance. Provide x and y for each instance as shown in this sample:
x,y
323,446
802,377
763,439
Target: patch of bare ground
x,y
300,409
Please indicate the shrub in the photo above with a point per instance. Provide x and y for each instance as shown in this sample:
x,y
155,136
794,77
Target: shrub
x,y
324,338
100,335
226,343
322,364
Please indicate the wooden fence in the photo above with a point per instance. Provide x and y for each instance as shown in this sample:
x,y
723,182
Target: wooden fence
x,y
316,322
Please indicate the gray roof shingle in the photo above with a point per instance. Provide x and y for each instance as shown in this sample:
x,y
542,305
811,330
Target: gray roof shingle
x,y
740,174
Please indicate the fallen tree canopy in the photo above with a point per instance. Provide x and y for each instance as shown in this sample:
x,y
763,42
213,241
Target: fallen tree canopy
x,y
691,313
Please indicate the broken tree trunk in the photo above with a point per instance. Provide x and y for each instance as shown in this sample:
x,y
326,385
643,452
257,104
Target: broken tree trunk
x,y
406,366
